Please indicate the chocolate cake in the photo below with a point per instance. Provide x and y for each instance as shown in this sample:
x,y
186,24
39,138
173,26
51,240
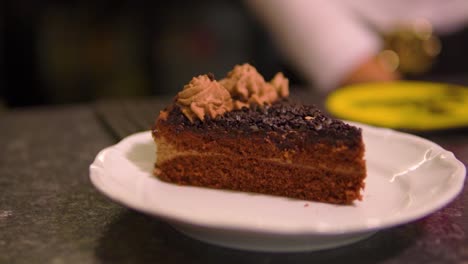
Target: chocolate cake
x,y
243,133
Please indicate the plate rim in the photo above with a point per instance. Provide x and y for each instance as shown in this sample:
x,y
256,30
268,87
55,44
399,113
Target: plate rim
x,y
120,197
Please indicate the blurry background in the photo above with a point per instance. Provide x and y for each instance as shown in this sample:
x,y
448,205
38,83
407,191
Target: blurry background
x,y
75,51
55,52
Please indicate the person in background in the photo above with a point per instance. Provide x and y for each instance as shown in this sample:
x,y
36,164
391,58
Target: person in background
x,y
332,43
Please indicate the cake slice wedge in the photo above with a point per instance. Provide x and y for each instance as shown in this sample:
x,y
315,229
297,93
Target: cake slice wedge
x,y
243,134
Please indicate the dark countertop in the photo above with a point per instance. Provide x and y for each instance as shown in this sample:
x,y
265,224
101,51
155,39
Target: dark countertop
x,y
50,212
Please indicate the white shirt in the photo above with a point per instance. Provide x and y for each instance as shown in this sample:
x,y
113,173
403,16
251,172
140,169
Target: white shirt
x,y
325,39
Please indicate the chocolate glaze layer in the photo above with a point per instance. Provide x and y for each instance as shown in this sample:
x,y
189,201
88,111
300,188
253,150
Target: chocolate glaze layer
x,y
283,118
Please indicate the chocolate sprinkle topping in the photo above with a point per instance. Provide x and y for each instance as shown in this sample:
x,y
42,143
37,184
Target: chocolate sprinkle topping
x,y
279,119
211,76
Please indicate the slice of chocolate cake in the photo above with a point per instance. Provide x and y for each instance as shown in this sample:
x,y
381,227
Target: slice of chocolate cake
x,y
243,134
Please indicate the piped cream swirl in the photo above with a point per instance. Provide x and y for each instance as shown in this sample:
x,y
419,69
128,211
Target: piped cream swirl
x,y
247,86
242,87
204,96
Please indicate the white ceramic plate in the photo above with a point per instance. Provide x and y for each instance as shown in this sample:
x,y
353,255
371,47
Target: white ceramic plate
x,y
408,178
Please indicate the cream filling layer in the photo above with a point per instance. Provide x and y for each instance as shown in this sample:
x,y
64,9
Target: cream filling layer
x,y
166,152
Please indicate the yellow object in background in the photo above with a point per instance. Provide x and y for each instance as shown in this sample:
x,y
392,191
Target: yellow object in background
x,y
408,105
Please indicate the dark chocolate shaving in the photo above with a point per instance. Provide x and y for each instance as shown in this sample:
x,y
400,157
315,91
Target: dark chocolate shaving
x,y
211,76
281,118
